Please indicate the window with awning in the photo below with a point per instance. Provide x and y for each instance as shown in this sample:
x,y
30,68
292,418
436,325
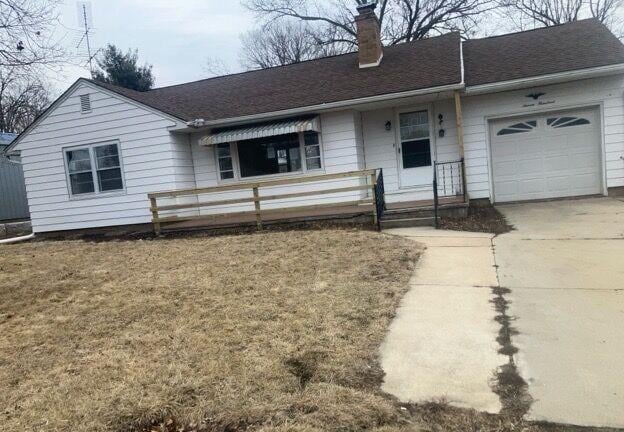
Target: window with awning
x,y
279,148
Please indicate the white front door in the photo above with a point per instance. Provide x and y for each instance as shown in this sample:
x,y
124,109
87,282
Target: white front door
x,y
547,155
414,149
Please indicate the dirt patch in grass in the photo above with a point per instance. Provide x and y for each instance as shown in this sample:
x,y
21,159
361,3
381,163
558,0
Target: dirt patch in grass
x,y
480,219
223,333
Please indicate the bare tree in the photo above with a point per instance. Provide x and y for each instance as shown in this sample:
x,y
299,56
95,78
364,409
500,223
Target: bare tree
x,y
215,66
543,13
22,99
284,42
401,20
26,28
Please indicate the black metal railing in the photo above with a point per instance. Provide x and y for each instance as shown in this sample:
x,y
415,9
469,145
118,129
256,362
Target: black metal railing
x,y
449,181
380,197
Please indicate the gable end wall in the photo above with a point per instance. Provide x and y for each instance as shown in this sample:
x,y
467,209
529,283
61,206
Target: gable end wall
x,y
152,160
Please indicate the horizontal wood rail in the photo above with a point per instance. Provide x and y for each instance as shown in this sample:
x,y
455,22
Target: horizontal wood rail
x,y
369,177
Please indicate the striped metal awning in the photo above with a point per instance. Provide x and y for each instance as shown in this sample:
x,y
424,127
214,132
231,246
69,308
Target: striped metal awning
x,y
262,131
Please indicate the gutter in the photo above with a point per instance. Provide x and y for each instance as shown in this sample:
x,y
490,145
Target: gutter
x,y
545,79
320,107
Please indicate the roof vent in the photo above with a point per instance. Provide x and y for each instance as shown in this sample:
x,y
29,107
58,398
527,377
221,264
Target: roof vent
x,y
85,103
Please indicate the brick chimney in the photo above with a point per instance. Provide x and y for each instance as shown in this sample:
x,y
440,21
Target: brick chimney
x,y
368,34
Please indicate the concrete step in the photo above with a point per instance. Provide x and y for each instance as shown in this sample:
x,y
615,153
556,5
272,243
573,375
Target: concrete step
x,y
407,222
408,213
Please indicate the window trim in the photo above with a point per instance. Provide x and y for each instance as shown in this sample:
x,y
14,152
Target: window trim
x,y
236,164
94,171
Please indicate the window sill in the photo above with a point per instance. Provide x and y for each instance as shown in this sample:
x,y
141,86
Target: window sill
x,y
92,196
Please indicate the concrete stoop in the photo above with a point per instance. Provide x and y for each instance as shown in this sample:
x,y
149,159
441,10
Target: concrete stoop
x,y
420,216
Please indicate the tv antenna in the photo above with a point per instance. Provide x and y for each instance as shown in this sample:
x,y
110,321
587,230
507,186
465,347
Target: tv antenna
x,y
85,21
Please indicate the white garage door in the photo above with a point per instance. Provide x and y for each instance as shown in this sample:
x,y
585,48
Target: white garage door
x,y
546,156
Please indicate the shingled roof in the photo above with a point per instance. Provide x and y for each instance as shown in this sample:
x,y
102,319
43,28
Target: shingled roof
x,y
410,66
574,46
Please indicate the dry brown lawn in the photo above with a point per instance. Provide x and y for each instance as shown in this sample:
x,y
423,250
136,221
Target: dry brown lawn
x,y
273,330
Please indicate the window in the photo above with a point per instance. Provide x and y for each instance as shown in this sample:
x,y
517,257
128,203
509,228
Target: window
x,y
518,128
559,122
85,103
415,141
280,154
224,159
271,155
94,169
312,150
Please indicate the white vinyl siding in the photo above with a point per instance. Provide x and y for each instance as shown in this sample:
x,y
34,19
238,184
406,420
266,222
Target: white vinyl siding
x,y
607,93
152,161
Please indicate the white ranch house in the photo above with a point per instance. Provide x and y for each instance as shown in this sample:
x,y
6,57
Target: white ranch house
x,y
521,116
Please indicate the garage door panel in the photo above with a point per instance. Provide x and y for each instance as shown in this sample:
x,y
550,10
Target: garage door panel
x,y
529,167
507,150
556,163
506,169
584,182
559,156
584,162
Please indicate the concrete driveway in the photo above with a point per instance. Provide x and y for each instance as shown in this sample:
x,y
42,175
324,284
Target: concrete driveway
x,y
564,265
564,268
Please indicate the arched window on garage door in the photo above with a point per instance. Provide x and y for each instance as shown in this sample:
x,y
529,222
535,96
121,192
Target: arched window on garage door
x,y
520,127
566,121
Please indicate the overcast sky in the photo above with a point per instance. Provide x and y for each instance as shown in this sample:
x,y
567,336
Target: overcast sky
x,y
176,37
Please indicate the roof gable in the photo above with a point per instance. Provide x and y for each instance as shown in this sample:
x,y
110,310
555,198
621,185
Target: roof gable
x,y
75,87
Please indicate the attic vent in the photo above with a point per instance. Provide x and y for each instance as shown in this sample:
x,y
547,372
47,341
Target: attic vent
x,y
85,103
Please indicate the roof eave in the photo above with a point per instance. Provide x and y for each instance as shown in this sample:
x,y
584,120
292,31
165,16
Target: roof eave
x,y
541,80
330,106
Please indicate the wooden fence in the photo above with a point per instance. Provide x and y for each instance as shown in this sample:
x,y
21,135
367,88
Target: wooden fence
x,y
363,204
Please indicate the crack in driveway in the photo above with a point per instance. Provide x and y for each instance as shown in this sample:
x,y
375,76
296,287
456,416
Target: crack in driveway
x,y
509,385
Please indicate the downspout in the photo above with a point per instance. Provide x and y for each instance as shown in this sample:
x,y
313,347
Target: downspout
x,y
18,239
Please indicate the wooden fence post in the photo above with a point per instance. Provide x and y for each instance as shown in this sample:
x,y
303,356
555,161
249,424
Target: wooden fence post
x,y
257,206
154,210
373,178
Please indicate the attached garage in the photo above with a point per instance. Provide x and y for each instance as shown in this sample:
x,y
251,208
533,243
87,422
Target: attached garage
x,y
550,155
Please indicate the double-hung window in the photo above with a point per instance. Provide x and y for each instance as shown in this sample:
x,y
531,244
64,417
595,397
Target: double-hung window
x,y
415,141
312,150
94,169
280,154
